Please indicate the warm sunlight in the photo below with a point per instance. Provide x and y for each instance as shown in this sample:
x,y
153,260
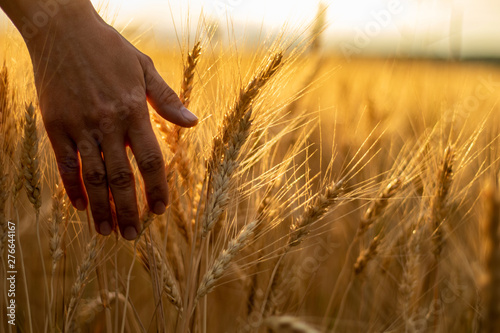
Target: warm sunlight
x,y
464,28
414,27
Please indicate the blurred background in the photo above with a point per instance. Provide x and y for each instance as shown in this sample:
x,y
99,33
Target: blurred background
x,y
457,29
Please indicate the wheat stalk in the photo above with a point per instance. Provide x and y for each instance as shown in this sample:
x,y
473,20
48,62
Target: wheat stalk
x,y
178,211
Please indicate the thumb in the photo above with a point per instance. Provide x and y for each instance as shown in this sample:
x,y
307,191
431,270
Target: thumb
x,y
164,100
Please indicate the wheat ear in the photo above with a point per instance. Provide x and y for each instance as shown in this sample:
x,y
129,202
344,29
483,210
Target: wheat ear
x,y
30,159
221,179
367,255
241,107
221,264
188,77
376,207
298,231
82,274
438,203
157,264
57,218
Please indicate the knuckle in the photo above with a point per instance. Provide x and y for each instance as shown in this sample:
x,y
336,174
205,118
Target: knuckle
x,y
167,95
151,162
147,60
68,166
53,124
121,179
95,177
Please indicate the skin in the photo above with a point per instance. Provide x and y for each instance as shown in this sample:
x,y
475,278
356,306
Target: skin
x,y
93,87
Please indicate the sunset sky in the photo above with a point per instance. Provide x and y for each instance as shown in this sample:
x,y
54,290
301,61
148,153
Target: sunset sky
x,y
416,27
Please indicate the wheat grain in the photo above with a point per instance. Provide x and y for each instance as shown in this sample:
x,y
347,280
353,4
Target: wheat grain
x,y
377,206
367,255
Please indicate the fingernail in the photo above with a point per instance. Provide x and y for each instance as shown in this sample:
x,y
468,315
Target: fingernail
x,y
105,228
159,208
188,115
129,233
80,204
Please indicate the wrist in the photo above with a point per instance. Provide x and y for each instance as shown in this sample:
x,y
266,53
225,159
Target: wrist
x,y
36,20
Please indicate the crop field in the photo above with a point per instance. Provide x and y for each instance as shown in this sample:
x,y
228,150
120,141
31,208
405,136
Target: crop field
x,y
316,194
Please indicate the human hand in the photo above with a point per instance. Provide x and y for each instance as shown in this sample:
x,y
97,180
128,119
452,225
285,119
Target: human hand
x,y
93,88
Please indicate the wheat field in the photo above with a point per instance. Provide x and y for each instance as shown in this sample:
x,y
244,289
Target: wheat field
x,y
317,194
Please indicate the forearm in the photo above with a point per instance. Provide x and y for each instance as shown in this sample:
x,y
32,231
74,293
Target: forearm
x,y
35,18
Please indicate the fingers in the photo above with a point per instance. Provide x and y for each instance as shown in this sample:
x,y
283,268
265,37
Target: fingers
x,y
68,164
121,182
164,100
94,177
151,165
